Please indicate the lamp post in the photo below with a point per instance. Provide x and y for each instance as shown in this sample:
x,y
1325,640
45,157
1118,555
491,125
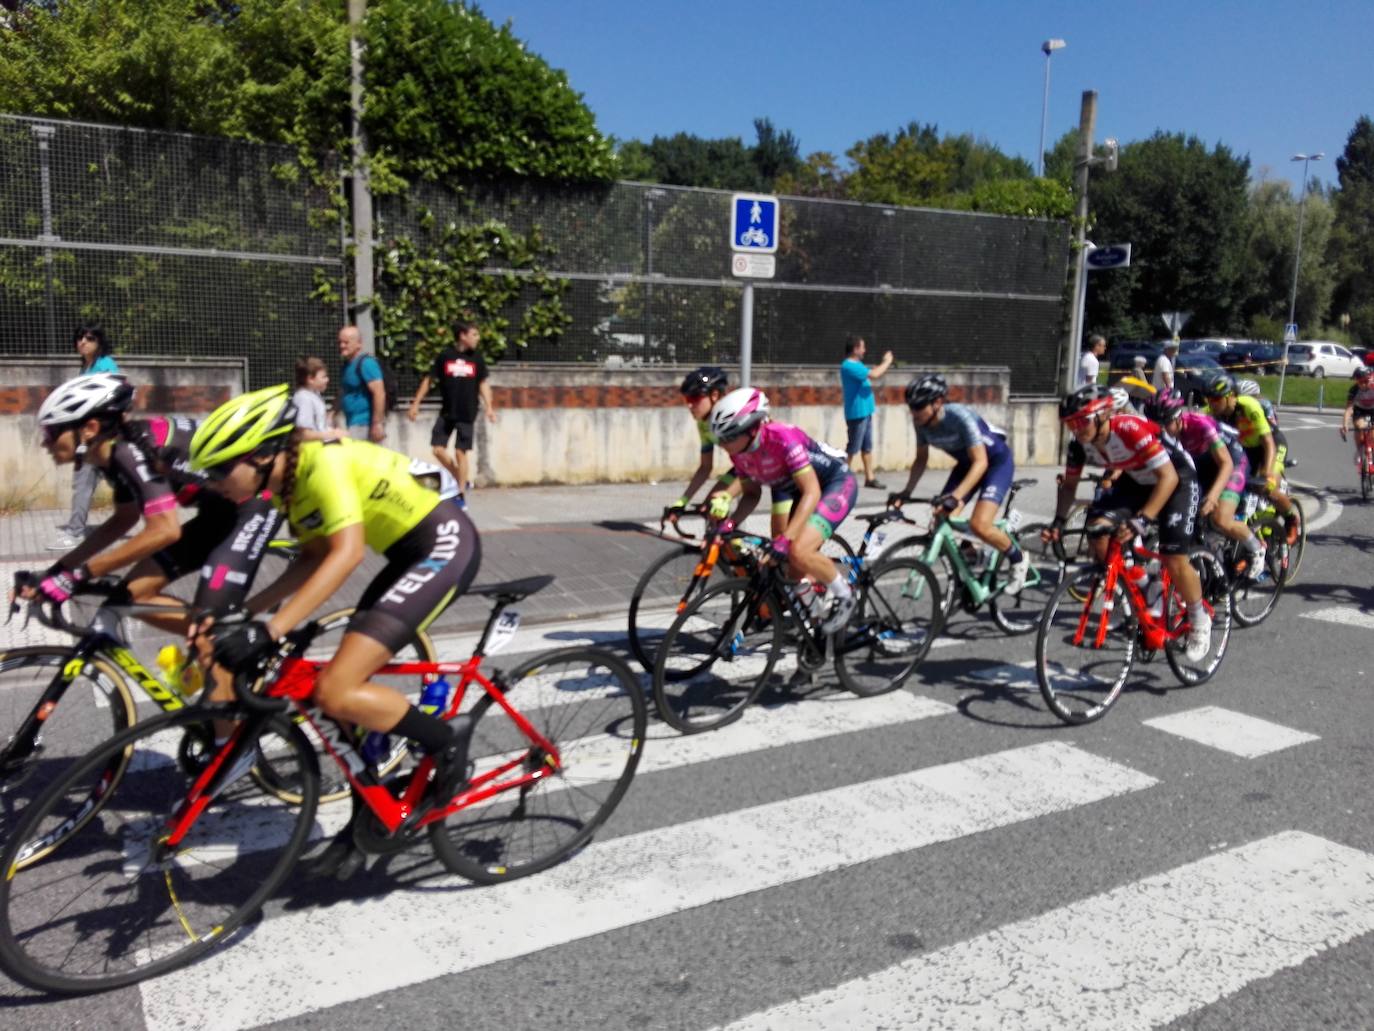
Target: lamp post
x,y
1297,263
1049,47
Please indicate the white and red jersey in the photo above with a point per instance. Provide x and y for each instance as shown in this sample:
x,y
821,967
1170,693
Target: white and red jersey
x,y
1134,445
1361,396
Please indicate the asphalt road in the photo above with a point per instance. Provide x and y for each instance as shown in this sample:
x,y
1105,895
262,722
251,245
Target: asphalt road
x,y
949,856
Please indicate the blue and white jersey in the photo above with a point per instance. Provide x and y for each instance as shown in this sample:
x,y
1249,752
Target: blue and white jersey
x,y
960,428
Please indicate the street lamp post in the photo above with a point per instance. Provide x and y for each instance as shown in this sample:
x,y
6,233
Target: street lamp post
x,y
1297,262
1049,47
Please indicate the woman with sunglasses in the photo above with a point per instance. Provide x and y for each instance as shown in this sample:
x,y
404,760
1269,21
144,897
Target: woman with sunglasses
x,y
85,421
341,498
983,468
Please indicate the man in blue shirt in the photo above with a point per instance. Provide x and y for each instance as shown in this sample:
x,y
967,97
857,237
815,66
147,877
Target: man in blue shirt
x,y
362,392
855,379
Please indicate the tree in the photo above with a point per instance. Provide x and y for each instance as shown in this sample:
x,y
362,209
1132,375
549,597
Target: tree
x,y
1270,251
1352,240
1183,208
724,164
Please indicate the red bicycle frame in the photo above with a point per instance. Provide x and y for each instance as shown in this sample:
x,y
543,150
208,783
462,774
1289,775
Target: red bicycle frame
x,y
295,682
1156,630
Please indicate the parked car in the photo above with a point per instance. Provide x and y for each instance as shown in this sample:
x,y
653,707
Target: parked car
x,y
1122,359
1319,358
1212,346
1364,354
1251,358
1192,373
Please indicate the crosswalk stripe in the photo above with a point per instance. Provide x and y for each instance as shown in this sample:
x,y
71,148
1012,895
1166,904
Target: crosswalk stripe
x,y
1139,956
1344,615
1230,731
331,956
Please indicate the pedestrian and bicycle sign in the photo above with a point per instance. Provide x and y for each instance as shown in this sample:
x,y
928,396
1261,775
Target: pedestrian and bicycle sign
x,y
1290,333
754,223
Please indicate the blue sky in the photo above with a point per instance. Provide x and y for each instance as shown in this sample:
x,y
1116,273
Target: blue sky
x,y
1264,78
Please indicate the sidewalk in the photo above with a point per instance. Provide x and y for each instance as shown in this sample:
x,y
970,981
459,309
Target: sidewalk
x,y
596,539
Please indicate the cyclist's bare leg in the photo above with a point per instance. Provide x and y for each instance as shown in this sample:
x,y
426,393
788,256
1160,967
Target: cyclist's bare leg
x,y
1224,521
145,582
343,691
806,558
1185,578
983,523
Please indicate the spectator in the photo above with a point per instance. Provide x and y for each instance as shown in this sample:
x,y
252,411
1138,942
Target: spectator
x,y
1089,364
312,417
1163,378
855,379
362,393
462,377
94,350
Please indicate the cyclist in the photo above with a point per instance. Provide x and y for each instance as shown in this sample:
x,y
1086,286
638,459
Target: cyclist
x,y
144,461
342,497
812,488
1250,388
982,467
1158,485
1227,405
1220,462
701,389
1359,404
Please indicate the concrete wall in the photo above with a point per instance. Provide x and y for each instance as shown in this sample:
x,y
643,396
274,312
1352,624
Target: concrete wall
x,y
556,423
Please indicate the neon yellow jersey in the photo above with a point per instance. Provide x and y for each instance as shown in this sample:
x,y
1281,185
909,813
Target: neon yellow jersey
x,y
1249,421
343,482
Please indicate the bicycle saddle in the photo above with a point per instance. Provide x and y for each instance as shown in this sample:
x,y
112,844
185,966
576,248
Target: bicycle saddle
x,y
512,590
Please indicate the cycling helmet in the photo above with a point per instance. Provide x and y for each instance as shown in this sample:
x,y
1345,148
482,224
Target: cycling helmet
x,y
702,381
1363,374
1248,388
1084,401
923,391
1221,385
738,412
250,423
1167,406
101,394
1121,401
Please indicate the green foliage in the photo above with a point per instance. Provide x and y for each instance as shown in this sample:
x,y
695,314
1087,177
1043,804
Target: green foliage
x,y
1265,328
916,168
1352,240
429,285
1271,250
724,164
820,175
1036,198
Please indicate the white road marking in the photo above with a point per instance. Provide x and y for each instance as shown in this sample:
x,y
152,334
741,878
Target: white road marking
x,y
1331,509
1137,957
298,962
1234,732
1344,615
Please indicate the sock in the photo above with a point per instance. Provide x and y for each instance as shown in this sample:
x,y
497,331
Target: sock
x,y
839,586
429,732
1252,544
1013,554
1196,612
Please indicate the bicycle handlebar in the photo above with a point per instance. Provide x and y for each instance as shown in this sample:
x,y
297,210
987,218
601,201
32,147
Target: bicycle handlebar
x,y
294,642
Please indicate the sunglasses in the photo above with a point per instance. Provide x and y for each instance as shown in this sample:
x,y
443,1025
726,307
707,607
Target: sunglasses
x,y
220,473
51,433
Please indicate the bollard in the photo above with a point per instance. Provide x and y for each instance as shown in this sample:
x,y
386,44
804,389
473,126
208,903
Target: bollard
x,y
1321,395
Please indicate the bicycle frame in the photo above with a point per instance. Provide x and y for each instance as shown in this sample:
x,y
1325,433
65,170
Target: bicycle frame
x,y
945,541
1154,630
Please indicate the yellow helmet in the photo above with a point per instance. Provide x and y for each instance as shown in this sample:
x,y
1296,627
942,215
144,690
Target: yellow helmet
x,y
244,425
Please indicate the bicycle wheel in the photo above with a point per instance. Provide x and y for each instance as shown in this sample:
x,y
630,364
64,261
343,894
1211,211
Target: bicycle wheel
x,y
333,783
1080,678
115,904
728,649
946,578
896,621
1020,613
1366,479
1216,590
1298,548
591,707
839,551
658,598
1253,600
93,706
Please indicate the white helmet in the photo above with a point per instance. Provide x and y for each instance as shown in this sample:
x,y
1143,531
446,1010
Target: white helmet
x,y
738,412
86,397
1121,401
1247,388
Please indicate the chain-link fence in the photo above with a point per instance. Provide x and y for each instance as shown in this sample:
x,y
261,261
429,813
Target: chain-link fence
x,y
185,245
179,245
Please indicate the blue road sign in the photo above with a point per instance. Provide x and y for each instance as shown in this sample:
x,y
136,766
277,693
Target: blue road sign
x,y
1118,255
754,223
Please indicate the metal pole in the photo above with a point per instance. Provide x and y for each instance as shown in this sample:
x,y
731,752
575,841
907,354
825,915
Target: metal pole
x,y
44,133
1297,263
746,334
362,190
1087,120
1044,115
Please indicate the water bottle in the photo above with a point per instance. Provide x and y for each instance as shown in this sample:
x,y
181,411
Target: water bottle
x,y
434,697
808,598
179,673
376,747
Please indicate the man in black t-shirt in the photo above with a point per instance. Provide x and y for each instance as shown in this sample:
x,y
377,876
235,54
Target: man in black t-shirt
x,y
462,377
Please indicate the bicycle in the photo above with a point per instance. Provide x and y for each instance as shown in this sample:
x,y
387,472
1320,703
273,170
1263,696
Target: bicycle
x,y
722,647
679,575
1364,460
963,584
180,861
53,696
1099,616
1269,526
1252,598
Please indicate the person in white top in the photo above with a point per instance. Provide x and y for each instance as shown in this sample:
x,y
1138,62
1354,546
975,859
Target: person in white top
x,y
1089,364
1163,378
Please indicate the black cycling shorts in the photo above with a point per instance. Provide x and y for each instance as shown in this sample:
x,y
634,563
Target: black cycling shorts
x,y
425,571
1178,517
444,427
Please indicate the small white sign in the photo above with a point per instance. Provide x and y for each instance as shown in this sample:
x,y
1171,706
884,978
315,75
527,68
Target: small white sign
x,y
753,266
